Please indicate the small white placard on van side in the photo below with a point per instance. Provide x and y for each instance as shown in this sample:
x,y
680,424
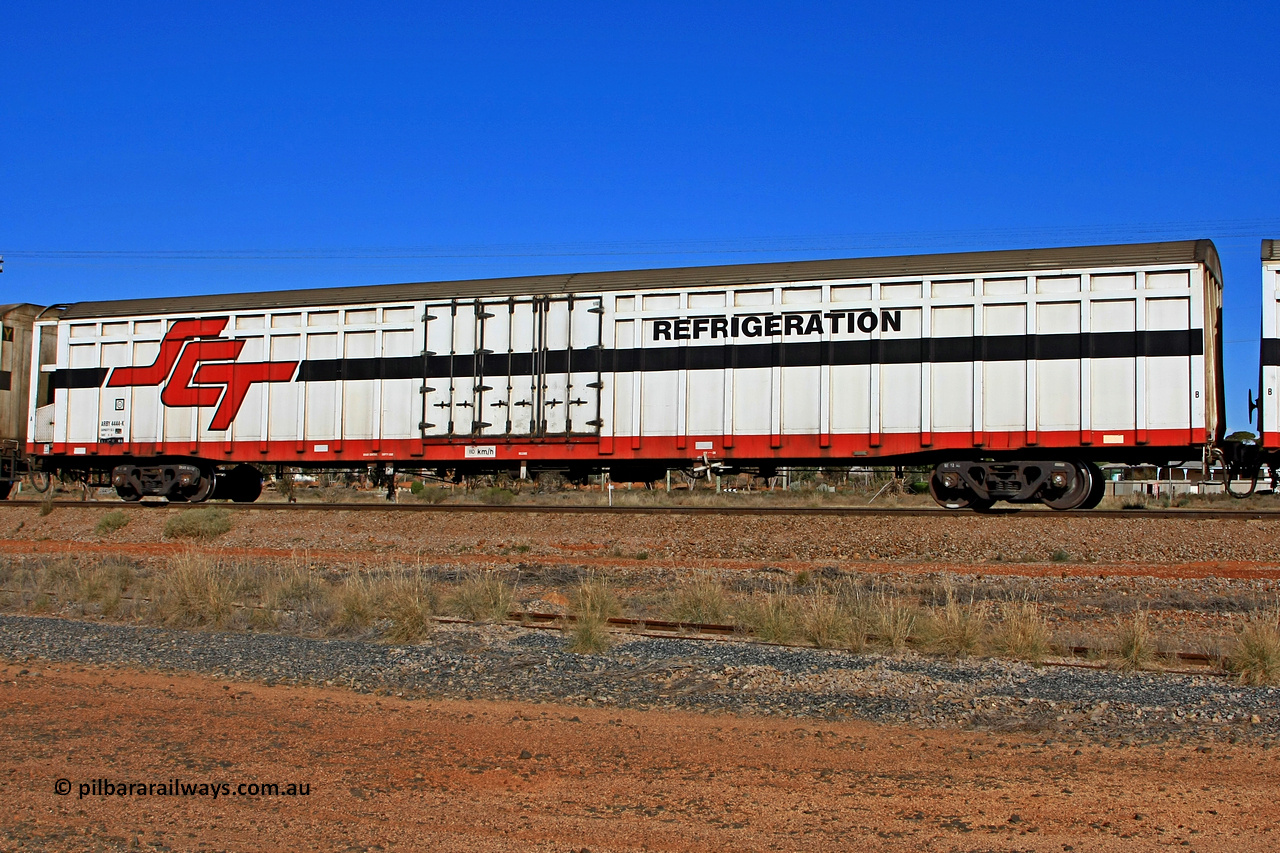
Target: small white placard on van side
x,y
480,451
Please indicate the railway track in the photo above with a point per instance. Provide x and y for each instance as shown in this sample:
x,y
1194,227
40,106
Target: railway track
x,y
580,509
1090,657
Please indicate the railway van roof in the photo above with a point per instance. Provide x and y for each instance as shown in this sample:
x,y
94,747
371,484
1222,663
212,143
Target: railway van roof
x,y
730,275
1271,250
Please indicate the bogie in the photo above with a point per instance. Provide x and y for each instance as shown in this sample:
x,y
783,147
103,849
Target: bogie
x,y
977,485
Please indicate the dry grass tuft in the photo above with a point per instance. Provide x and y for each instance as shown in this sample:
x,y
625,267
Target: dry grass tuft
x,y
432,494
878,615
483,597
1135,645
957,629
594,603
702,601
198,590
894,622
111,522
588,635
202,523
105,584
1255,657
826,624
595,598
771,617
1021,631
495,496
357,605
60,577
409,603
293,597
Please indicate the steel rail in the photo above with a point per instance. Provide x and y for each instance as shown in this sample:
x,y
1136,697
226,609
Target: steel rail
x,y
1095,657
580,509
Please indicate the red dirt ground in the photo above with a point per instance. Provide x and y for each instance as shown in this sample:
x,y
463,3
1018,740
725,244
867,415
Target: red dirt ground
x,y
963,544
1235,570
385,773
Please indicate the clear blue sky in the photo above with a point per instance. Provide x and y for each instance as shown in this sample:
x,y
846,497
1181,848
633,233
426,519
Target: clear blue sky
x,y
152,149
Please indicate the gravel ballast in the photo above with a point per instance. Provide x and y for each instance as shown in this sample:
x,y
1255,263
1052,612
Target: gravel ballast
x,y
511,663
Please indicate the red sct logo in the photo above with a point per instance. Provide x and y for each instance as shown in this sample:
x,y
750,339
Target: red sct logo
x,y
199,368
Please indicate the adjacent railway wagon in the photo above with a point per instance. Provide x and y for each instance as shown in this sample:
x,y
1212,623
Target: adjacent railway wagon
x,y
1268,403
1011,372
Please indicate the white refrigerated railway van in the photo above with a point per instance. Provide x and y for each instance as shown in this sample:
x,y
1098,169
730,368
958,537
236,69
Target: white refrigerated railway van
x,y
1038,357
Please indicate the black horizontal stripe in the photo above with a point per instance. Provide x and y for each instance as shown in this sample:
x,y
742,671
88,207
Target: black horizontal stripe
x,y
79,377
1271,352
797,354
721,356
332,369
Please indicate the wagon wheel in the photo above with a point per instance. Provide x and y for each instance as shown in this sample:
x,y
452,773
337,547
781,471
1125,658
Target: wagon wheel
x,y
245,483
1077,492
196,492
201,490
1099,489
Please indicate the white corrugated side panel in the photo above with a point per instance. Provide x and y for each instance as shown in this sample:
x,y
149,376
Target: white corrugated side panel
x,y
248,422
1057,380
323,398
270,410
401,402
464,392
1059,394
82,403
557,328
658,392
705,405
523,390
624,411
900,390
952,402
492,404
1168,377
147,411
801,392
359,396
449,329
284,399
1004,383
584,399
1113,394
849,390
114,405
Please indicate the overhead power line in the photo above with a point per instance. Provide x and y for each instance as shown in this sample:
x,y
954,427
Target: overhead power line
x,y
1024,237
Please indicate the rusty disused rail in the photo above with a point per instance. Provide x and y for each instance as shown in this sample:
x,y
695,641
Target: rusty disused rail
x,y
1093,657
695,630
